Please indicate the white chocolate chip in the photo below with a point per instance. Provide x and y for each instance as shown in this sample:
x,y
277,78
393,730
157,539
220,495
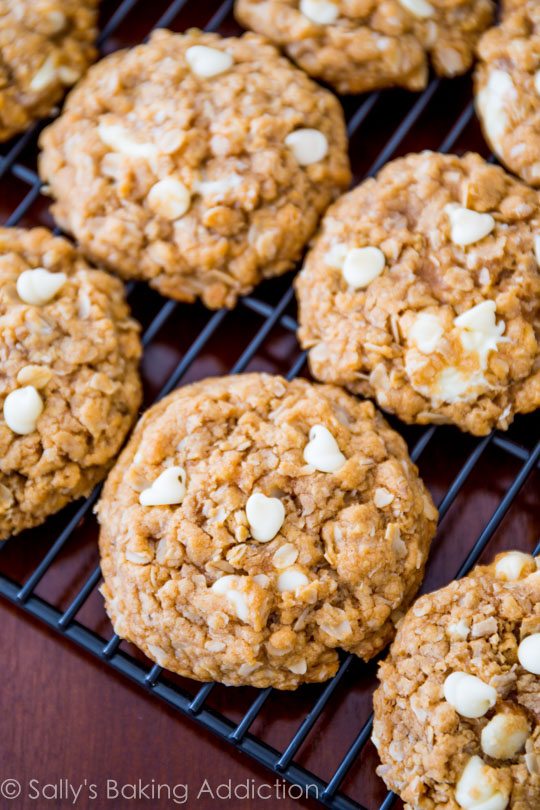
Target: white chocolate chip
x,y
466,226
299,668
116,137
480,318
228,586
514,566
45,76
537,81
478,787
426,332
168,488
459,630
493,101
307,145
362,266
322,450
322,12
504,736
169,198
207,62
450,385
291,580
22,409
38,376
455,386
469,695
285,556
382,497
265,516
537,249
479,330
38,286
420,8
529,653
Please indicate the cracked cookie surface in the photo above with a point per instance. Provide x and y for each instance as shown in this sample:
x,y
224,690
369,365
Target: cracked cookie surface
x,y
70,388
422,290
361,45
457,712
198,163
507,89
342,520
45,47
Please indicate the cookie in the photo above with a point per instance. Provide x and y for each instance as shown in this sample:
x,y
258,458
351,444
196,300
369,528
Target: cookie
x,y
361,45
507,89
423,291
253,526
69,389
198,163
457,712
45,46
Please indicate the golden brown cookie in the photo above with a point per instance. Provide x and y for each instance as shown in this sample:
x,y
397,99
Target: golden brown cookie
x,y
422,290
70,388
507,85
253,526
457,713
45,46
360,45
198,163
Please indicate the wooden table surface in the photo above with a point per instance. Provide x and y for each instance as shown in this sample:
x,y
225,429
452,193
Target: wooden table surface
x,y
66,716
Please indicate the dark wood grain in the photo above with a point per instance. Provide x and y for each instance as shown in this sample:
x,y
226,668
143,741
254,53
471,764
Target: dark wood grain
x,y
63,714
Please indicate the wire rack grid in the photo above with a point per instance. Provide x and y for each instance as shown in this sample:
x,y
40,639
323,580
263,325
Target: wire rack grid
x,y
398,133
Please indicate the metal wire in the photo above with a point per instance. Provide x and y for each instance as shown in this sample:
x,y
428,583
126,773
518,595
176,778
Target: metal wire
x,y
153,678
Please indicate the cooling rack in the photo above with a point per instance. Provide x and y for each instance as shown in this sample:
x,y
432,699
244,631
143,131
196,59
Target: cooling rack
x,y
486,489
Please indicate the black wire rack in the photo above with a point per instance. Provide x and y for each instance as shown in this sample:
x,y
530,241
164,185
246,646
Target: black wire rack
x,y
271,313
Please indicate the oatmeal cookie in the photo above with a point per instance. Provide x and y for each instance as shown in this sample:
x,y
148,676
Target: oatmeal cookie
x,y
508,6
45,46
423,291
253,526
198,163
507,84
457,712
360,45
69,388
